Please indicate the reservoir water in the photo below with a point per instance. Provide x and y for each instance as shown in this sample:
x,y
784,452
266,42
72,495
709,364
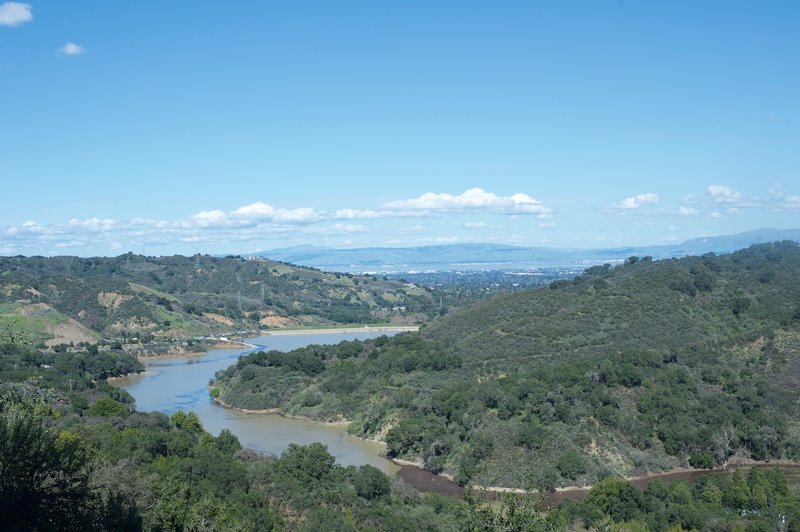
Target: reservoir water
x,y
177,383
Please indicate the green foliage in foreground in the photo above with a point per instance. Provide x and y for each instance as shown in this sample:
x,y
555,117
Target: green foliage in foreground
x,y
759,500
68,465
627,370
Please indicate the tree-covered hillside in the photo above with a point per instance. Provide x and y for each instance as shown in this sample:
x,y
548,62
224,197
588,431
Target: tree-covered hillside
x,y
130,295
75,455
642,367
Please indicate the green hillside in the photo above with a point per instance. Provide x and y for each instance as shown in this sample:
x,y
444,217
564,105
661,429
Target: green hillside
x,y
132,295
75,455
644,367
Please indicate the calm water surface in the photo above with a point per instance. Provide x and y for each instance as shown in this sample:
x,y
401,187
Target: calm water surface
x,y
181,383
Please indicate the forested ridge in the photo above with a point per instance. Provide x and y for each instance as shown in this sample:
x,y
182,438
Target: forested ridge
x,y
624,370
135,296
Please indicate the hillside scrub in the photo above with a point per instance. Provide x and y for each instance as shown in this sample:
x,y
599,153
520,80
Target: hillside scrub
x,y
624,370
134,296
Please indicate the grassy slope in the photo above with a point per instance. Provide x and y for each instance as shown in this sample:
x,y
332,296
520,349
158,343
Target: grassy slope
x,y
178,296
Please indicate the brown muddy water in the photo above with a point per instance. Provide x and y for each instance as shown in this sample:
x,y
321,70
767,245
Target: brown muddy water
x,y
181,383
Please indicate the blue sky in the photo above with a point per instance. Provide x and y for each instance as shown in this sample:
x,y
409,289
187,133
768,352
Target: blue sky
x,y
178,127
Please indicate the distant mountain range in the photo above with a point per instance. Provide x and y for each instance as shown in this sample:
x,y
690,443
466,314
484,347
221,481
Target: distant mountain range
x,y
497,256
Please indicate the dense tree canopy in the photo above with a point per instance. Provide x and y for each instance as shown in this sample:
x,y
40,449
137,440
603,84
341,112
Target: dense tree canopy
x,y
642,367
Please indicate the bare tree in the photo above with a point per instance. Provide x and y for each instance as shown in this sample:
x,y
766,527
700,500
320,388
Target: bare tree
x,y
722,445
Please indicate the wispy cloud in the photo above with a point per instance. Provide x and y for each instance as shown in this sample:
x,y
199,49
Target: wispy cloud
x,y
411,230
71,49
93,224
204,219
723,194
790,202
473,198
253,222
690,199
15,13
634,202
439,240
779,201
347,228
264,212
356,214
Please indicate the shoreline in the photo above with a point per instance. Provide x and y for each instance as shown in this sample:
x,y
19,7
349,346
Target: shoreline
x,y
149,358
339,330
232,345
422,480
111,380
146,355
414,474
279,412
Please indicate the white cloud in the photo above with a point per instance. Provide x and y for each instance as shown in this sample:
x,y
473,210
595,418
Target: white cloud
x,y
214,218
411,230
71,49
348,228
722,194
474,198
254,223
716,214
690,199
70,244
27,228
439,240
634,202
92,224
791,202
255,210
15,13
355,214
687,211
264,212
303,215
